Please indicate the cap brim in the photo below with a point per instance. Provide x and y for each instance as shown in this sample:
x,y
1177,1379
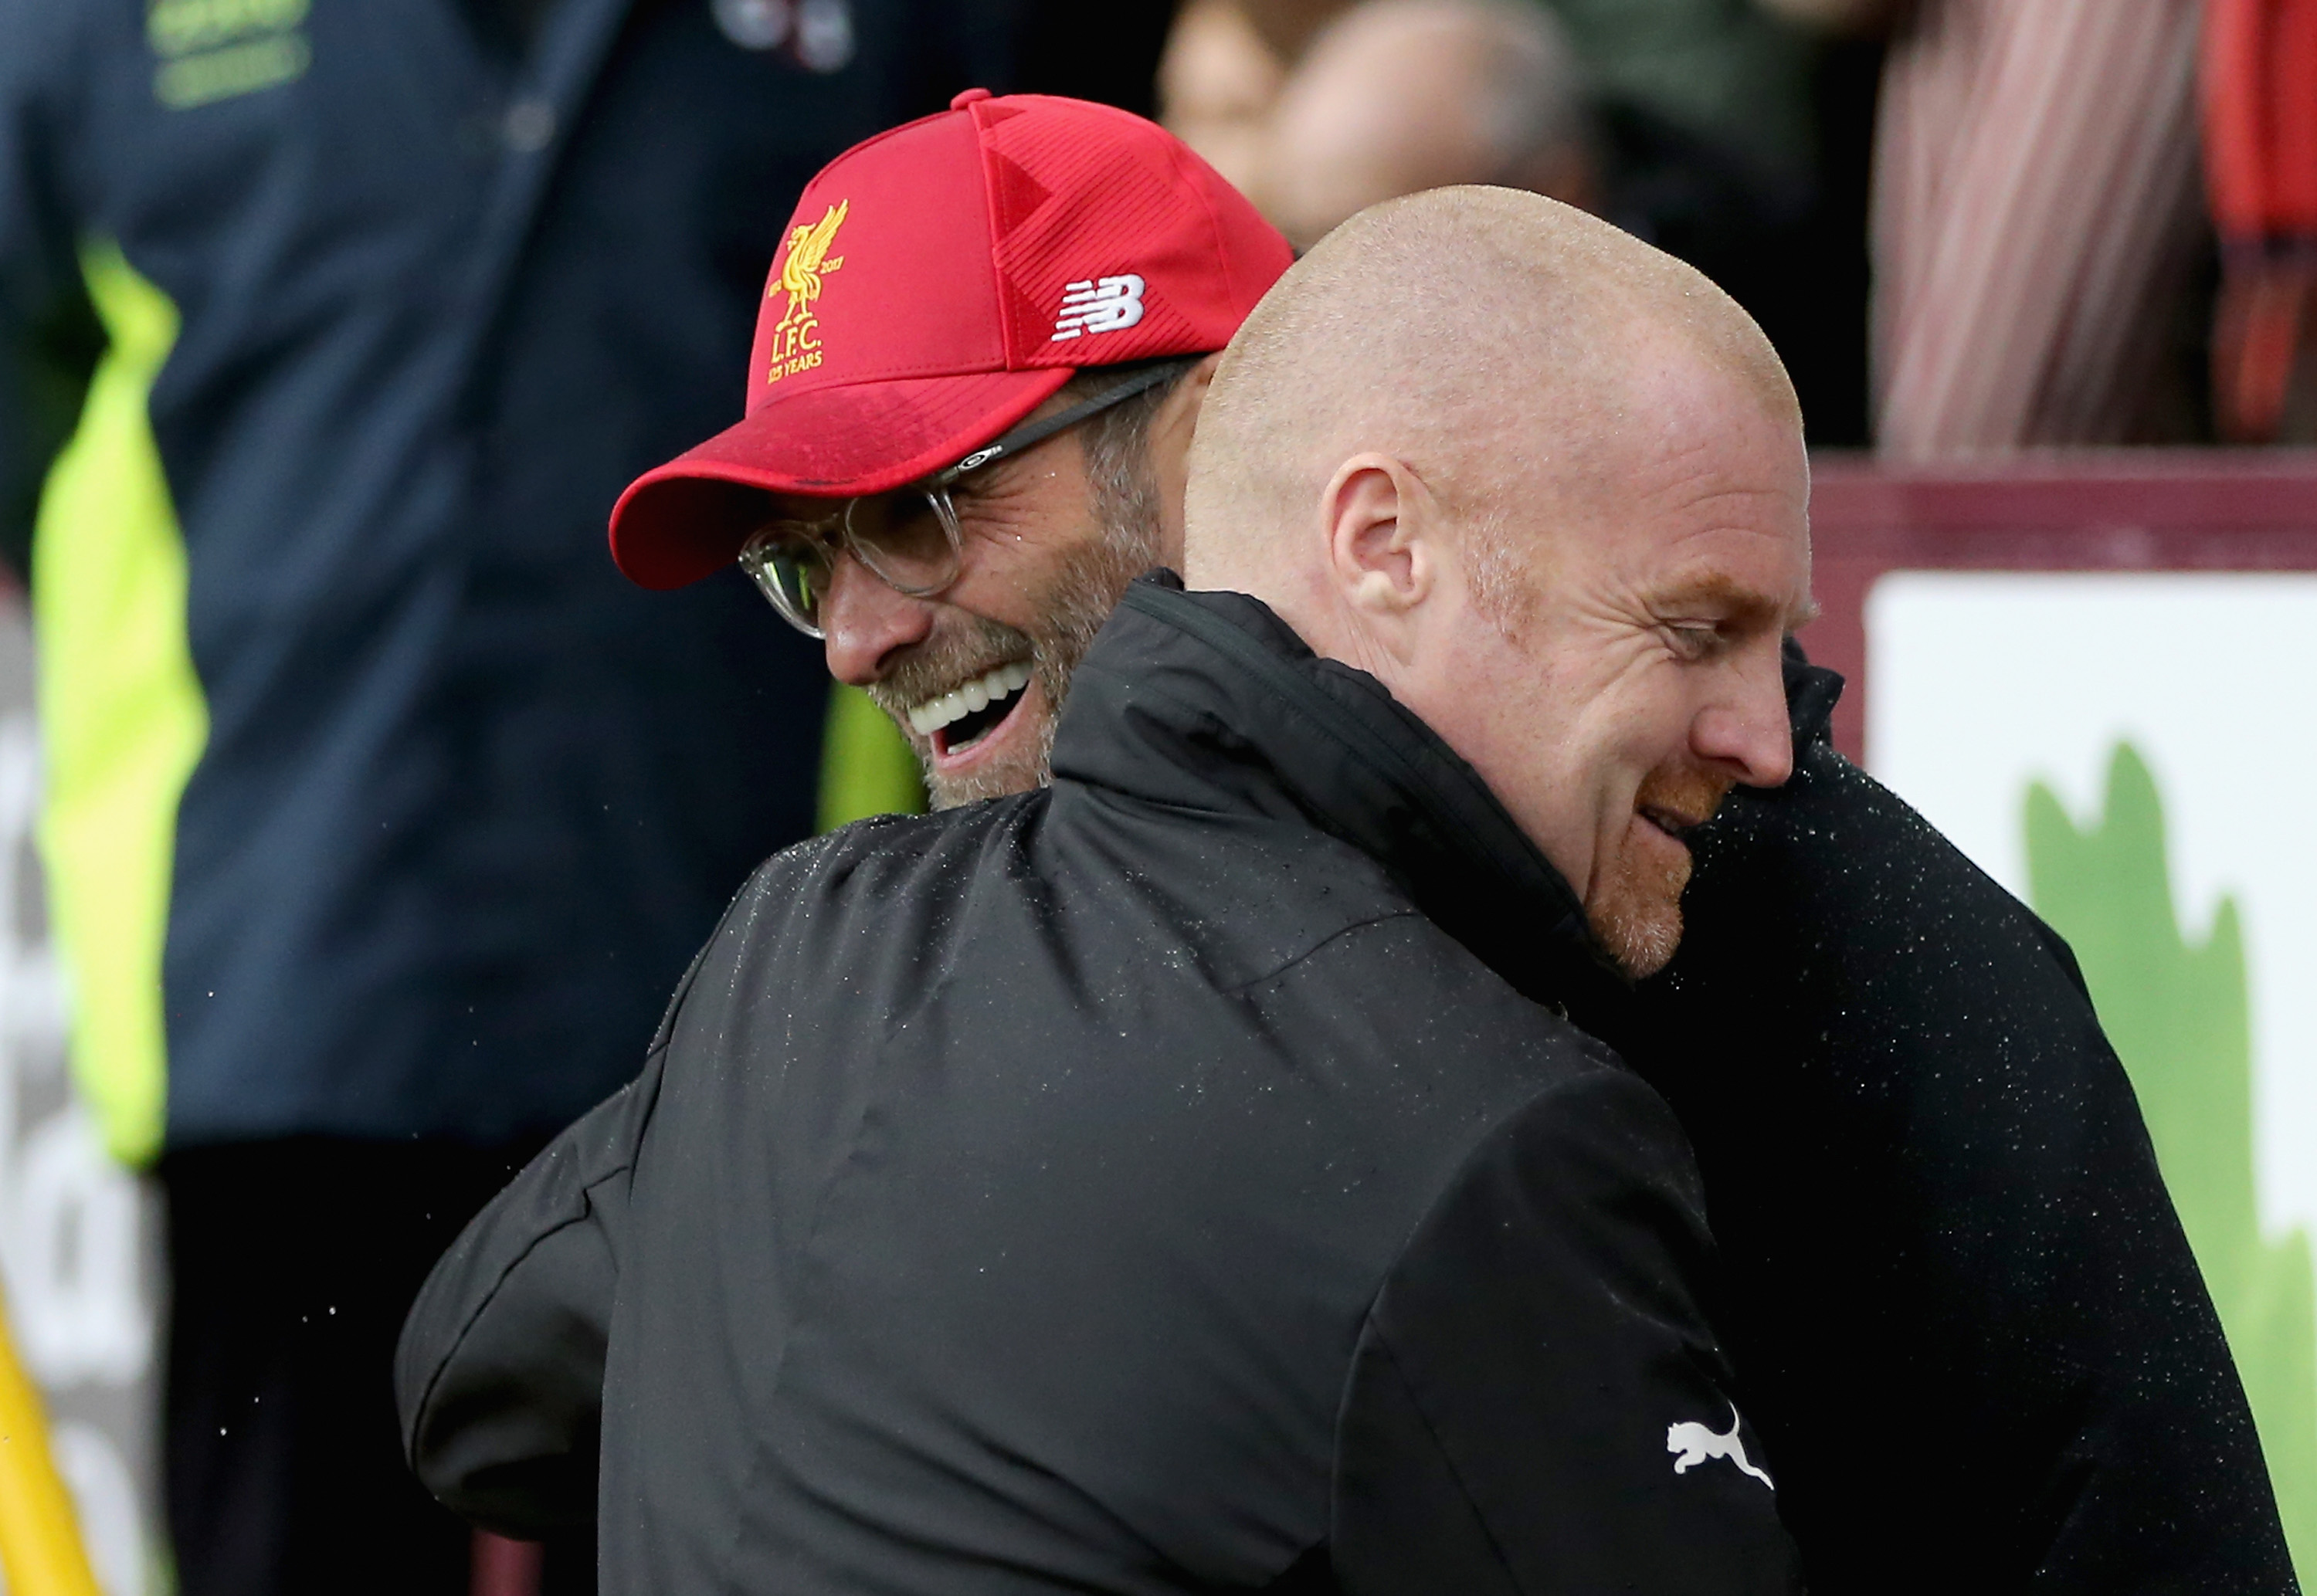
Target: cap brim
x,y
688,518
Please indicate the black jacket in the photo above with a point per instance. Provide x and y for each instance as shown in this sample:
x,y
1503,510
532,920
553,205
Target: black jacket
x,y
1969,1326
1172,1181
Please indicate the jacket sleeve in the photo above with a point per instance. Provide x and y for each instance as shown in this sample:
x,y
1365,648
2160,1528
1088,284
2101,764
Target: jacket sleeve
x,y
50,338
1536,1404
499,1376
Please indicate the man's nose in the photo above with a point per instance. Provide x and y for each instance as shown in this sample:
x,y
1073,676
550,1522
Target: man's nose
x,y
863,621
1746,731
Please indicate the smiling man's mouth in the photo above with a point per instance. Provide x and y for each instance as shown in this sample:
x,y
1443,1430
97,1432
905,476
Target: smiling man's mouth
x,y
1678,802
1673,824
956,720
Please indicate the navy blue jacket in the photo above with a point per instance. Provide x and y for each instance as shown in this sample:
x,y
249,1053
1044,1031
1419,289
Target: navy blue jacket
x,y
468,801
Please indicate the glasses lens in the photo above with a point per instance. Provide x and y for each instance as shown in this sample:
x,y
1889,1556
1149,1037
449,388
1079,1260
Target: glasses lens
x,y
789,569
907,538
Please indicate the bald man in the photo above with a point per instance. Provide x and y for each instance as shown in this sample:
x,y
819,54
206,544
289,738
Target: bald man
x,y
1183,1178
1960,1306
1549,454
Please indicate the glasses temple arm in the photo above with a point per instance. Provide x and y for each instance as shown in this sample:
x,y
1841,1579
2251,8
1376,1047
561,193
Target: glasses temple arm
x,y
1038,431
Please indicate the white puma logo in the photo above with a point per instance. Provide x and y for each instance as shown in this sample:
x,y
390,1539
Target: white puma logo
x,y
1696,1444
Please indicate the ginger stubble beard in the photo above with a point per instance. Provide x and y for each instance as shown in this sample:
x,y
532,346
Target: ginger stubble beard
x,y
1634,906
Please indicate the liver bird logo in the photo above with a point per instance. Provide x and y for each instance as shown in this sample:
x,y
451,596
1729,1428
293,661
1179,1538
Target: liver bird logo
x,y
808,262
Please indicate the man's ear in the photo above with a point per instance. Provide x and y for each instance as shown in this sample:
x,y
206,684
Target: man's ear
x,y
1378,519
1168,446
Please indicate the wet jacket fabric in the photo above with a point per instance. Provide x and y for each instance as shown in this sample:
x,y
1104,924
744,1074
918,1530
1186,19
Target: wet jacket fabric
x,y
1969,1326
461,802
1176,1180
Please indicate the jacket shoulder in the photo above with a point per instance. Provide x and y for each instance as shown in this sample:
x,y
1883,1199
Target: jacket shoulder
x,y
1441,1040
1843,884
883,860
858,907
1376,963
1244,897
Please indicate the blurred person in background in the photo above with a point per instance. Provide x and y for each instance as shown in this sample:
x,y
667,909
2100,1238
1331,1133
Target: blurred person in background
x,y
381,811
2037,225
1397,96
2260,166
2044,249
1217,83
1734,73
1721,133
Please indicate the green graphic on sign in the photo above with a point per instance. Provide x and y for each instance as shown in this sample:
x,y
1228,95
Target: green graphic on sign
x,y
2178,1017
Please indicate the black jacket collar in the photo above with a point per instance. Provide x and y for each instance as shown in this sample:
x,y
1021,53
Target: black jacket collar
x,y
1209,701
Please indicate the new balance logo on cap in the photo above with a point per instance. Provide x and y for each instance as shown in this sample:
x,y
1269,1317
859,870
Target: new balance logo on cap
x,y
1099,305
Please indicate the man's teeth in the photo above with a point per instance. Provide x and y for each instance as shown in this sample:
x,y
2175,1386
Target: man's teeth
x,y
977,694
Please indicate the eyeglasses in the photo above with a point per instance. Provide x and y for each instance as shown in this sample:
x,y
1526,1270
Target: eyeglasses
x,y
909,538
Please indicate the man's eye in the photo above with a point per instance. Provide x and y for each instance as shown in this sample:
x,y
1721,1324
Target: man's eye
x,y
1694,639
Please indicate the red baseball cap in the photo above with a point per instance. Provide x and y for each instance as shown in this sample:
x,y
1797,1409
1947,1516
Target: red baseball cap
x,y
938,283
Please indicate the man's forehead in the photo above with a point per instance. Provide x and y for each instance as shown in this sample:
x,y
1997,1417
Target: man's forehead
x,y
1730,528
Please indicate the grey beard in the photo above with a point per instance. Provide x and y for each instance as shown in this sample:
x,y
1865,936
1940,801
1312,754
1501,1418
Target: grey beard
x,y
1078,600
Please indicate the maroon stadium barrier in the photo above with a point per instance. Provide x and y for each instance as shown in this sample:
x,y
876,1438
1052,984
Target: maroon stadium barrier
x,y
2119,510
